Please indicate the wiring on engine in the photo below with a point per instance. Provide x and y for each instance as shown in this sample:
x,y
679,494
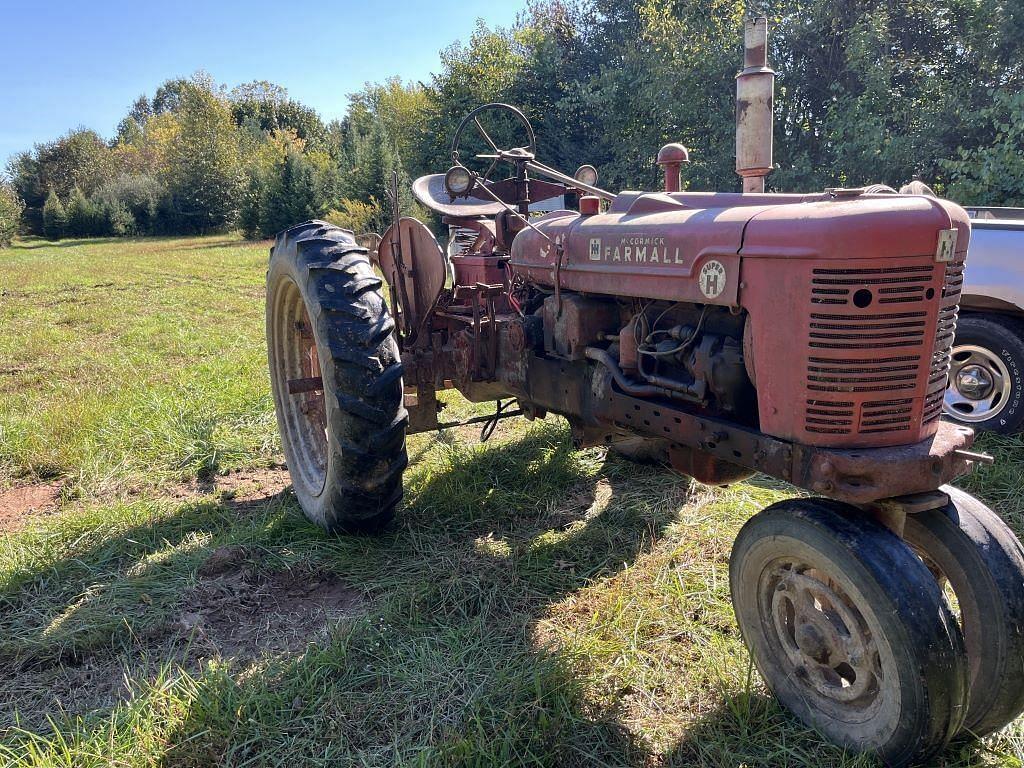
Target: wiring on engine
x,y
682,347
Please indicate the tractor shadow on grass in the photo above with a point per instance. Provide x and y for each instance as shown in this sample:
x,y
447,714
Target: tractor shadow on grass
x,y
181,589
430,650
257,638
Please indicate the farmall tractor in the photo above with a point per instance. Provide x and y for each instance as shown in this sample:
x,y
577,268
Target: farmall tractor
x,y
803,336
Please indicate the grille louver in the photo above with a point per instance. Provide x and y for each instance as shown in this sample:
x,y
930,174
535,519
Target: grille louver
x,y
870,332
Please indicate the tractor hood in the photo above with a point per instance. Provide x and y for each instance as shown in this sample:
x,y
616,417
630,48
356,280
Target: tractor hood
x,y
689,246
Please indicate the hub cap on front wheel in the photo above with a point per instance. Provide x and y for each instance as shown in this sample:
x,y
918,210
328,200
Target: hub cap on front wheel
x,y
979,384
825,639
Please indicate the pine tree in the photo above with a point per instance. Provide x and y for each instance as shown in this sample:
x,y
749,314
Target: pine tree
x,y
83,220
55,218
11,207
293,194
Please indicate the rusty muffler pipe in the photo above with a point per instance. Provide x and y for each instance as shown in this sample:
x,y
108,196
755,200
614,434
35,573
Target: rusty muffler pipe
x,y
755,96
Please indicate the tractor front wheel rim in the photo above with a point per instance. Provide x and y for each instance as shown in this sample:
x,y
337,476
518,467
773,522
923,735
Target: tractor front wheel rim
x,y
825,638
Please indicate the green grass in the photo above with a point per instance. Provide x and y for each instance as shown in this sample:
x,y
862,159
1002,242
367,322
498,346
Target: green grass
x,y
533,605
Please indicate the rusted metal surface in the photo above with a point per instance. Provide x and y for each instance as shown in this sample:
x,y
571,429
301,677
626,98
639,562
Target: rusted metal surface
x,y
704,467
892,512
430,191
855,476
860,355
839,302
755,88
310,384
671,158
824,637
867,474
568,330
371,242
414,266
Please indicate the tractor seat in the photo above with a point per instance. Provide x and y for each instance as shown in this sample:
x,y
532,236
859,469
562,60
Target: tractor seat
x,y
430,191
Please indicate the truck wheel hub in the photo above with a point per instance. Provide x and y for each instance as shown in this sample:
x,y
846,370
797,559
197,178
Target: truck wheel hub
x,y
974,382
979,384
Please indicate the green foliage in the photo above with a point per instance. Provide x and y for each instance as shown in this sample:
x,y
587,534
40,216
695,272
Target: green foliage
x,y
118,220
291,197
85,218
139,197
204,170
265,107
11,207
55,218
994,172
872,91
285,186
357,216
78,159
371,161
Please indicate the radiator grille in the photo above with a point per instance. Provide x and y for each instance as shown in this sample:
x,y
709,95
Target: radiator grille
x,y
945,329
892,285
870,333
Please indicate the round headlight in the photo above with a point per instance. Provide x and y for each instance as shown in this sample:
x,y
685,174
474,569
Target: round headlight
x,y
458,181
586,174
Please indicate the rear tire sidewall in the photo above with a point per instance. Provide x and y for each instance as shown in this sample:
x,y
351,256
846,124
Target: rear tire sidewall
x,y
314,501
320,276
1001,337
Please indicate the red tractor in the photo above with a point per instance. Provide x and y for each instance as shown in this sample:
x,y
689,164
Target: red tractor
x,y
806,337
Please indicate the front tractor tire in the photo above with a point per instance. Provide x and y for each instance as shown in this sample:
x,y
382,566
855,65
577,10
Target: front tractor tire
x,y
967,546
849,629
336,375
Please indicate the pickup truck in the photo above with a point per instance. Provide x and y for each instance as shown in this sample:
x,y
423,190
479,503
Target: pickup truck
x,y
986,378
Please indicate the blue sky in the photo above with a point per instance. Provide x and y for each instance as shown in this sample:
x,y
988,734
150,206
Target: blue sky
x,y
66,64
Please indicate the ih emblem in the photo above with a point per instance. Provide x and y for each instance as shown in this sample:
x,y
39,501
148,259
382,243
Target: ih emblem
x,y
712,279
595,249
947,245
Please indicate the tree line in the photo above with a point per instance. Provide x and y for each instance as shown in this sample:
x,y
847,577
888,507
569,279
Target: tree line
x,y
868,91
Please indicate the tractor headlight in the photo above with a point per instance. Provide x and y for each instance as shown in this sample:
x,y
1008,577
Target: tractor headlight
x,y
458,181
586,174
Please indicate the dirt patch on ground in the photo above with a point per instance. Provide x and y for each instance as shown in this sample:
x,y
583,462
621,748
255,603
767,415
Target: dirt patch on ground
x,y
239,613
243,485
23,502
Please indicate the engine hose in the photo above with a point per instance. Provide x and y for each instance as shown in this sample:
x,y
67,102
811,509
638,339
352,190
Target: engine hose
x,y
627,386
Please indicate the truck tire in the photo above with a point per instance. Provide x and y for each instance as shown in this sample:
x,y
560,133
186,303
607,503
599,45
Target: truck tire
x,y
326,319
986,377
849,629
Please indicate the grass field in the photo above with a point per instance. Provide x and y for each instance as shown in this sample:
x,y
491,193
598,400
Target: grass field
x,y
162,601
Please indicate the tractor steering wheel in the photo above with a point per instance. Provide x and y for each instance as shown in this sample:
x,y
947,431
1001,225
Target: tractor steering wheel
x,y
519,154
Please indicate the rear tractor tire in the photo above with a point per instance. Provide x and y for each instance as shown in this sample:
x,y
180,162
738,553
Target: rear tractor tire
x,y
336,375
849,629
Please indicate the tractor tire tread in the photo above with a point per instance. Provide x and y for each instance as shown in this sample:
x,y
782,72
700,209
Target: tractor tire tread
x,y
362,372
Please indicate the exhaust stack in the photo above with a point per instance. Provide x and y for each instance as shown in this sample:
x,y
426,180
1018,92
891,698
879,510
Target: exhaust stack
x,y
755,95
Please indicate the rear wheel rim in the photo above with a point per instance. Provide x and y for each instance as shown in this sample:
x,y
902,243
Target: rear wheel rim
x,y
303,414
979,384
